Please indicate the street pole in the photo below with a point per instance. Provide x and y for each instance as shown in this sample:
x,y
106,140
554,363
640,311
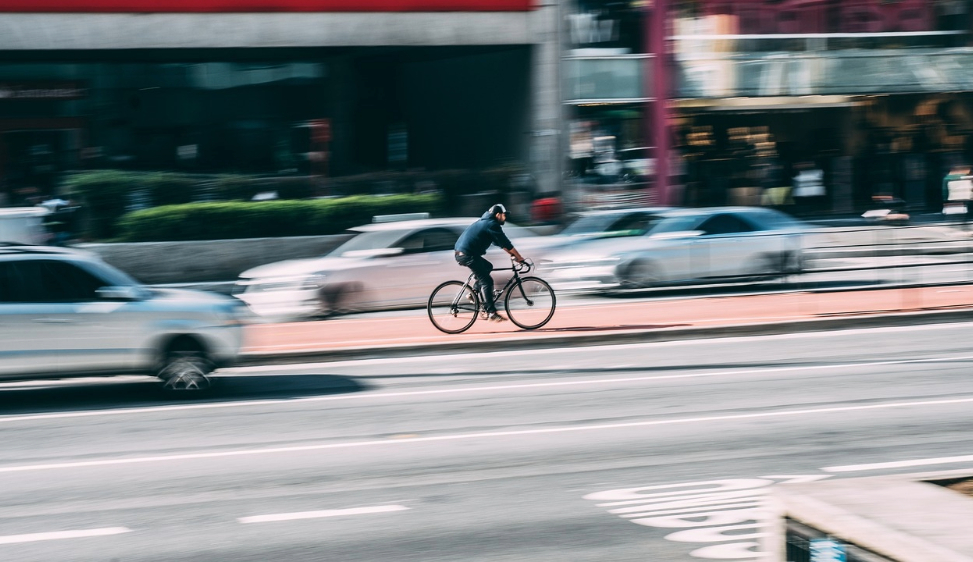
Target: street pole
x,y
658,89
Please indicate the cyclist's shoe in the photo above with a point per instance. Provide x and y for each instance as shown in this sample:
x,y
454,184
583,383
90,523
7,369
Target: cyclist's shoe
x,y
496,318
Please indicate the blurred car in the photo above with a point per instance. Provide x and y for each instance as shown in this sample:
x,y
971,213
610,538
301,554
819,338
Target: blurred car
x,y
681,246
382,266
64,312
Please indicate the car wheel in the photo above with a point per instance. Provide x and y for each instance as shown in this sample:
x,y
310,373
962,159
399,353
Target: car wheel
x,y
337,299
765,269
185,368
640,275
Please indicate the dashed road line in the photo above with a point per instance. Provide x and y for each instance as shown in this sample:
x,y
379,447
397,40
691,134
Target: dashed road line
x,y
897,464
58,535
319,514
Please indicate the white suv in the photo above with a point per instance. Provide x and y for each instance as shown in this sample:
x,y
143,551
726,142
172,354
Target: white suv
x,y
65,313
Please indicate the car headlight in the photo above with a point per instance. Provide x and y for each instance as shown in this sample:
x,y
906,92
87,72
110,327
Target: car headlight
x,y
283,283
592,262
313,282
233,315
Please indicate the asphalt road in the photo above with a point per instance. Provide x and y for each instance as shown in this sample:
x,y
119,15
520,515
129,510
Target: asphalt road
x,y
624,453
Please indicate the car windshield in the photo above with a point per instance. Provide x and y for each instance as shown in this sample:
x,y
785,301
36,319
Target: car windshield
x,y
677,223
606,225
374,240
773,220
109,274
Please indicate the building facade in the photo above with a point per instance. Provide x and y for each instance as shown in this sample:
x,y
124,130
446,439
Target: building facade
x,y
277,87
873,93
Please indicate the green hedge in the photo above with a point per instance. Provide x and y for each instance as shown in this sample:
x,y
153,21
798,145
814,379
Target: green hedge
x,y
226,220
106,195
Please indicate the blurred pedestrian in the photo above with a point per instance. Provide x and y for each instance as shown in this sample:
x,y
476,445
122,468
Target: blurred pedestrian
x,y
957,192
809,192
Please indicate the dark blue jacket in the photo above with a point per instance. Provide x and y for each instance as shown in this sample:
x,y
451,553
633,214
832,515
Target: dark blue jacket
x,y
477,237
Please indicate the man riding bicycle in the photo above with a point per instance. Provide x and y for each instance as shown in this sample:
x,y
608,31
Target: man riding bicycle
x,y
474,242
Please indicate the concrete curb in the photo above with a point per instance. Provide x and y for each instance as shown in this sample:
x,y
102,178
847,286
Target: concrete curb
x,y
521,341
902,517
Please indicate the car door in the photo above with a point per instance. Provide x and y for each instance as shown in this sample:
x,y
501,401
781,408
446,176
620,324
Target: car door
x,y
722,249
88,333
426,260
26,344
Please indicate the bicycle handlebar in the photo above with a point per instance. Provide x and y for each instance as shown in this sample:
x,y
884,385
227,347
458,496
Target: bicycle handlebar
x,y
525,267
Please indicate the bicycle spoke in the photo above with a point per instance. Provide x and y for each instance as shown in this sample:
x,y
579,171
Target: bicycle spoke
x,y
531,305
452,307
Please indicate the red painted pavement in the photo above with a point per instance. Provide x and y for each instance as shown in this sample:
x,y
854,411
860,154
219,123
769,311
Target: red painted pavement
x,y
612,316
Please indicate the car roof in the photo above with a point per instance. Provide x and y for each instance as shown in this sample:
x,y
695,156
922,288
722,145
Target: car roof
x,y
625,211
706,211
413,224
13,249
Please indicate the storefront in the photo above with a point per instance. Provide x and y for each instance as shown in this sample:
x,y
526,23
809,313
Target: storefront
x,y
304,87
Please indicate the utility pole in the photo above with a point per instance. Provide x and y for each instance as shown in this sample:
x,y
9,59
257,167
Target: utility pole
x,y
657,88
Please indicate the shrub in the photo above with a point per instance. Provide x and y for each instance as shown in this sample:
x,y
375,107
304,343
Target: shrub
x,y
237,219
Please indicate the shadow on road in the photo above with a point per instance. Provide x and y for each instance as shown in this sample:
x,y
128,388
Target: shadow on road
x,y
117,393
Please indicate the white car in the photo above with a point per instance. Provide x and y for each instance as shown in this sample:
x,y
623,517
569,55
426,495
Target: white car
x,y
383,266
66,313
682,246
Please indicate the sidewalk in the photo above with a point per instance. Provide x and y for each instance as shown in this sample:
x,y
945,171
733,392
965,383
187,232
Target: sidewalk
x,y
614,321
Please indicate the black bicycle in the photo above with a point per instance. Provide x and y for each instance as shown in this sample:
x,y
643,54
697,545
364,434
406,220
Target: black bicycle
x,y
454,306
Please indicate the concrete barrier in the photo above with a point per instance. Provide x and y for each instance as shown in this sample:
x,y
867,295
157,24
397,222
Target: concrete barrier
x,y
223,260
208,260
900,518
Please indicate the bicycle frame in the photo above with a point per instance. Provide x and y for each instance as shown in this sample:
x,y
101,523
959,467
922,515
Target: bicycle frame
x,y
514,280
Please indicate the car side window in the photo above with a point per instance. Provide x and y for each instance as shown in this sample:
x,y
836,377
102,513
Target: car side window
x,y
440,239
632,225
8,282
431,240
724,224
53,281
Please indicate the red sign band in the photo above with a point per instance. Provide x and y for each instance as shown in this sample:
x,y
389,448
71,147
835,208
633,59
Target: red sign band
x,y
218,6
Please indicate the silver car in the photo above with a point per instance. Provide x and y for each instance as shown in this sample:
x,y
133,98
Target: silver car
x,y
382,266
681,246
66,313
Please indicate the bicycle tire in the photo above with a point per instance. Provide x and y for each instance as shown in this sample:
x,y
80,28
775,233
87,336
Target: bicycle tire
x,y
453,307
537,309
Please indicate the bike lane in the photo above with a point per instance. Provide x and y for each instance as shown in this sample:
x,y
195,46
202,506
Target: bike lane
x,y
602,322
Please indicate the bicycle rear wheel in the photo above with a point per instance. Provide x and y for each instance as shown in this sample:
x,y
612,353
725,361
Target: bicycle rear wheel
x,y
452,307
531,305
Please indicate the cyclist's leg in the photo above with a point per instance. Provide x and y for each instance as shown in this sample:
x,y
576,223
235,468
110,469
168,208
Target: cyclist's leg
x,y
482,268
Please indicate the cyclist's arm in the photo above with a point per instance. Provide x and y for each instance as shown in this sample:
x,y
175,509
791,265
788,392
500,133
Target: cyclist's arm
x,y
500,239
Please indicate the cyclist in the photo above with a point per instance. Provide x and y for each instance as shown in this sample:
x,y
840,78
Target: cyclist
x,y
474,242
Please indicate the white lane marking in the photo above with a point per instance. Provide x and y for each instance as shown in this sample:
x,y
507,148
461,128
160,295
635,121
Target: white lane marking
x,y
57,535
481,435
494,388
319,514
897,464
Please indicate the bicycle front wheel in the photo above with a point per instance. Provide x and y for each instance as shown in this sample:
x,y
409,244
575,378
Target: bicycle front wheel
x,y
531,304
452,307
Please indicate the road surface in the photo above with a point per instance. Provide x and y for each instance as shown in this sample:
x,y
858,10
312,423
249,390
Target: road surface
x,y
625,453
